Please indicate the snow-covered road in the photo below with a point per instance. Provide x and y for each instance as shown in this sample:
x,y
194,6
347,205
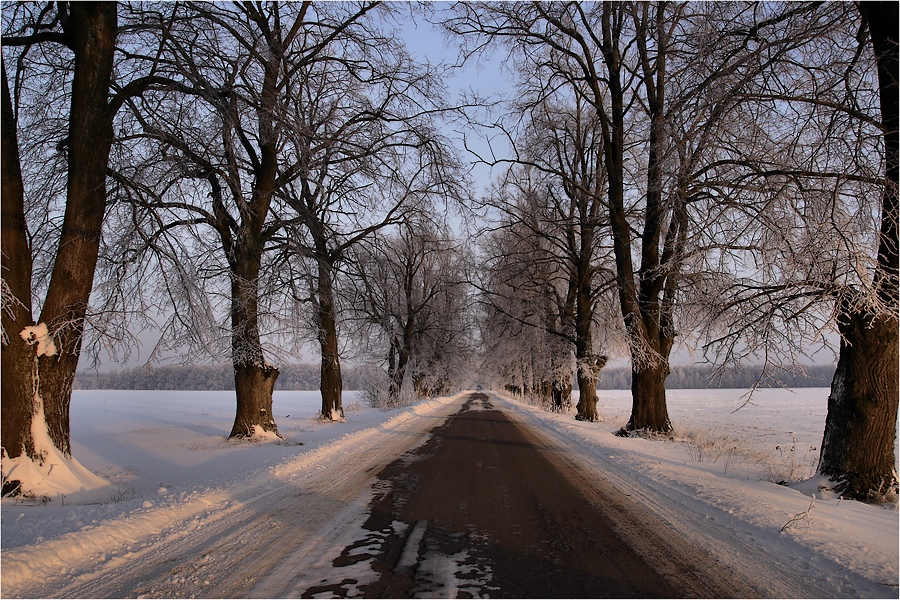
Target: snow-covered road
x,y
190,514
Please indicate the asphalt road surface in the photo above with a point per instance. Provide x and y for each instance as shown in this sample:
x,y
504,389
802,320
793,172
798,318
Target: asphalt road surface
x,y
487,509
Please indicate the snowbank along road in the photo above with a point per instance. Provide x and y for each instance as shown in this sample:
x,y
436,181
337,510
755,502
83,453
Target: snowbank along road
x,y
222,542
456,497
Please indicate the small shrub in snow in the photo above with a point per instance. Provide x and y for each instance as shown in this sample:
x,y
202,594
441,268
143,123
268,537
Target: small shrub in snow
x,y
788,466
548,404
123,495
11,487
355,406
728,457
803,517
888,494
375,393
704,446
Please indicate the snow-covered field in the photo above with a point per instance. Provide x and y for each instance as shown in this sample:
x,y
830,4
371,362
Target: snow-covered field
x,y
173,474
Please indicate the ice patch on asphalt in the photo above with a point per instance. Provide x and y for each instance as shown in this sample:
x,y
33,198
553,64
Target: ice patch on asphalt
x,y
451,575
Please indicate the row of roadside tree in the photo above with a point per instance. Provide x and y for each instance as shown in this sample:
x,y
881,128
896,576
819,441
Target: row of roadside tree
x,y
249,179
719,173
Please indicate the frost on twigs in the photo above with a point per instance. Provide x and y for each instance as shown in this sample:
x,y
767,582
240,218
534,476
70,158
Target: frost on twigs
x,y
8,305
38,334
803,517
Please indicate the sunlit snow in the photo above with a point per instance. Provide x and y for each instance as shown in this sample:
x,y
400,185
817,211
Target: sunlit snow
x,y
175,477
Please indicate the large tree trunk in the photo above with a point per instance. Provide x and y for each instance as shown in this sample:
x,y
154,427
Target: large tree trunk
x,y
561,394
254,386
395,379
17,361
587,394
331,383
90,30
397,373
254,380
860,428
648,393
858,445
588,364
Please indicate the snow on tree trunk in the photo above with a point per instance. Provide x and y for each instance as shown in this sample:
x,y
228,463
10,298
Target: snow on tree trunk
x,y
254,385
588,369
17,393
44,468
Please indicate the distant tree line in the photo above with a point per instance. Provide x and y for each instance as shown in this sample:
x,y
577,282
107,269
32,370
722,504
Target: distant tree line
x,y
211,377
701,377
306,377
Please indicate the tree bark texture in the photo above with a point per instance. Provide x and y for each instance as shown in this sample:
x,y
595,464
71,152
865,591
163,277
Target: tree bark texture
x,y
588,364
17,361
254,386
587,398
90,31
860,428
331,382
254,380
397,372
648,392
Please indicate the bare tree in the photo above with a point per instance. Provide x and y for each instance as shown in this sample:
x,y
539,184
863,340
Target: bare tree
x,y
557,198
332,121
860,430
811,244
371,157
55,47
231,79
664,82
411,297
585,50
527,305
